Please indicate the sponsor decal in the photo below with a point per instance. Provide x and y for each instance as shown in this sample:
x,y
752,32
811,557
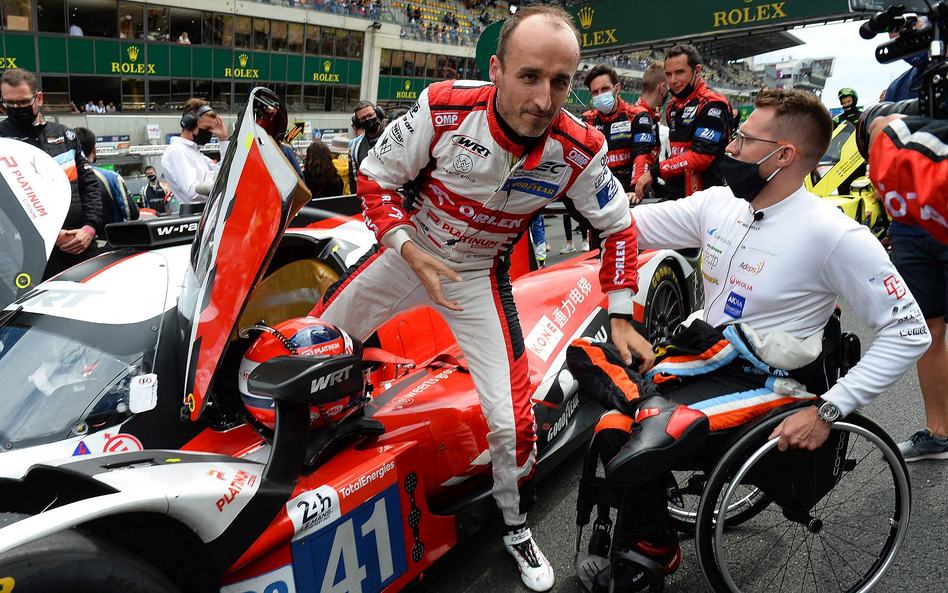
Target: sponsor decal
x,y
329,380
383,147
645,120
463,163
536,188
81,449
714,112
571,406
177,229
543,338
708,134
752,268
620,263
426,385
644,138
734,307
907,318
750,14
551,171
70,135
241,480
216,474
366,479
280,580
396,133
577,157
408,126
471,145
445,119
313,510
713,232
688,113
605,195
489,219
121,443
56,140
620,126
605,176
894,286
913,331
414,110
244,72
710,257
710,279
741,284
35,205
472,240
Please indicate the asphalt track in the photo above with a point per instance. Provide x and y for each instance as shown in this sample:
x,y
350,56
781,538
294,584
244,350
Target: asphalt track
x,y
480,564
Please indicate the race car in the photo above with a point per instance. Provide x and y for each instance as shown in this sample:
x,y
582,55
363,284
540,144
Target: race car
x,y
134,452
842,159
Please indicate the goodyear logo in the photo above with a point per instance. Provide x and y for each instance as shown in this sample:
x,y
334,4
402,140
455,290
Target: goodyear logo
x,y
530,186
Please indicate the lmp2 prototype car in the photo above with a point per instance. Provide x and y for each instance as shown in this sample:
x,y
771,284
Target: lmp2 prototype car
x,y
128,461
841,160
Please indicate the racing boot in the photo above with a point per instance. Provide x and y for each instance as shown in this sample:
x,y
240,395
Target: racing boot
x,y
667,432
664,554
535,570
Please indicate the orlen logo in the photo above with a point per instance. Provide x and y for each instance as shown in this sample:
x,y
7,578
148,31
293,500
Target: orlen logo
x,y
470,145
577,157
330,379
446,119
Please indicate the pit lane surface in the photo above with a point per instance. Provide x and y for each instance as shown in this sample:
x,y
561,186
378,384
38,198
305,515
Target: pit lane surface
x,y
480,563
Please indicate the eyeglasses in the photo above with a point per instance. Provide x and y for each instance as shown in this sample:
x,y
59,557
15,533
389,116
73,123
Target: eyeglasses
x,y
24,103
742,137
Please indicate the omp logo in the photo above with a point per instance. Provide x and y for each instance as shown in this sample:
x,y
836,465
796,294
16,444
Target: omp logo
x,y
446,119
471,145
177,229
329,380
577,157
586,17
714,112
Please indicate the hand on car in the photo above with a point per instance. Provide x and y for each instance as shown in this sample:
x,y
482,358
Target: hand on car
x,y
429,270
803,430
75,241
627,340
644,182
633,198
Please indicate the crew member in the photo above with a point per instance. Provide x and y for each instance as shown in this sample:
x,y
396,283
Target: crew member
x,y
117,203
184,165
368,118
23,102
698,121
777,260
155,193
485,157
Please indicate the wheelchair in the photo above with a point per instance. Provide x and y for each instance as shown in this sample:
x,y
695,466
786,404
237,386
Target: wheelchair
x,y
826,520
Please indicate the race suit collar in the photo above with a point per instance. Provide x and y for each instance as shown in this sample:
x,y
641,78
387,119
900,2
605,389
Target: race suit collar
x,y
647,108
700,86
506,137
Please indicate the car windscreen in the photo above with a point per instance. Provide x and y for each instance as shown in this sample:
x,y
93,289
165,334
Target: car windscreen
x,y
835,150
57,386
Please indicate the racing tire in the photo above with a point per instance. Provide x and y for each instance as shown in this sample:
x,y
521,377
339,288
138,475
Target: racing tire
x,y
844,537
664,304
75,561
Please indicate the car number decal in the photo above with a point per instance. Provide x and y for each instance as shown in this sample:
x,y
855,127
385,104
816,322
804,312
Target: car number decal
x,y
276,581
364,551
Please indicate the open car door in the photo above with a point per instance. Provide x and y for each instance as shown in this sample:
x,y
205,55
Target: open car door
x,y
34,200
256,194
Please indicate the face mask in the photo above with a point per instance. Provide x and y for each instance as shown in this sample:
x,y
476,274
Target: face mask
x,y
852,107
371,125
744,178
152,178
917,60
22,117
202,137
664,98
604,102
689,88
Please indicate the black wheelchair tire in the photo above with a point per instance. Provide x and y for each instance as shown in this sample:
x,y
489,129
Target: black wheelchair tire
x,y
74,561
729,464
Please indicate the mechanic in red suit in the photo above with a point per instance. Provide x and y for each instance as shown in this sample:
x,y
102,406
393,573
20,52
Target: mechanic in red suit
x,y
485,158
698,128
631,131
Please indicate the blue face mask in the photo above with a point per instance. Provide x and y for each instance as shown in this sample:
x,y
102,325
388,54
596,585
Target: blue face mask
x,y
604,102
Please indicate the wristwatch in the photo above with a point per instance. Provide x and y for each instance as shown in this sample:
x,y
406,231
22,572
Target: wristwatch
x,y
828,411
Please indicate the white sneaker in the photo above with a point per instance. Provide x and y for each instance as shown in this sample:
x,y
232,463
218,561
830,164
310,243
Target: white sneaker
x,y
535,570
585,246
569,248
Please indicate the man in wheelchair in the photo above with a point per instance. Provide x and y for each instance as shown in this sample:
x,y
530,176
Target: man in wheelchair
x,y
776,261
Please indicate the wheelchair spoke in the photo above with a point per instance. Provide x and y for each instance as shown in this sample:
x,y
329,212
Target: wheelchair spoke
x,y
841,557
856,547
839,584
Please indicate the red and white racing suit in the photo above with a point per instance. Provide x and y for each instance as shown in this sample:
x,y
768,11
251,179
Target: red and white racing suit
x,y
478,193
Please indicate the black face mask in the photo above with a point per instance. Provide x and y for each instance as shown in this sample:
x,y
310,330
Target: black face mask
x,y
744,178
153,178
371,125
202,137
22,117
686,92
852,107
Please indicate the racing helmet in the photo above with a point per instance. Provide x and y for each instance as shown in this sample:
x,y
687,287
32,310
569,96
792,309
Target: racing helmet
x,y
307,336
848,92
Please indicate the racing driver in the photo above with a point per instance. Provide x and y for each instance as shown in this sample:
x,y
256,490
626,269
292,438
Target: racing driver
x,y
486,157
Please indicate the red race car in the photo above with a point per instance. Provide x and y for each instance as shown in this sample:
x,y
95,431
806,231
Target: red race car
x,y
137,453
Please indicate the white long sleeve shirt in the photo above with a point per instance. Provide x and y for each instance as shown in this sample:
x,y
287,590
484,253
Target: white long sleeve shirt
x,y
785,272
184,167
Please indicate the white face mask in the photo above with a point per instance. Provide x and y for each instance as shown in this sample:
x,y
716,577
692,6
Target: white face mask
x,y
604,102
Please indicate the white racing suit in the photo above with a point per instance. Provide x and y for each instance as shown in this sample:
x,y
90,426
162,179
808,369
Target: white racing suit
x,y
477,195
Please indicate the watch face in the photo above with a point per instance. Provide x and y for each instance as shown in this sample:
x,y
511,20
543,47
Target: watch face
x,y
829,412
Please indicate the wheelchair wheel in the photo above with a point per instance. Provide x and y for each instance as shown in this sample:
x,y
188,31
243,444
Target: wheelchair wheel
x,y
684,495
838,517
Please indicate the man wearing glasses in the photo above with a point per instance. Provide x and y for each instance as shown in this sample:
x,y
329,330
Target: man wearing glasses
x,y
23,102
776,261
